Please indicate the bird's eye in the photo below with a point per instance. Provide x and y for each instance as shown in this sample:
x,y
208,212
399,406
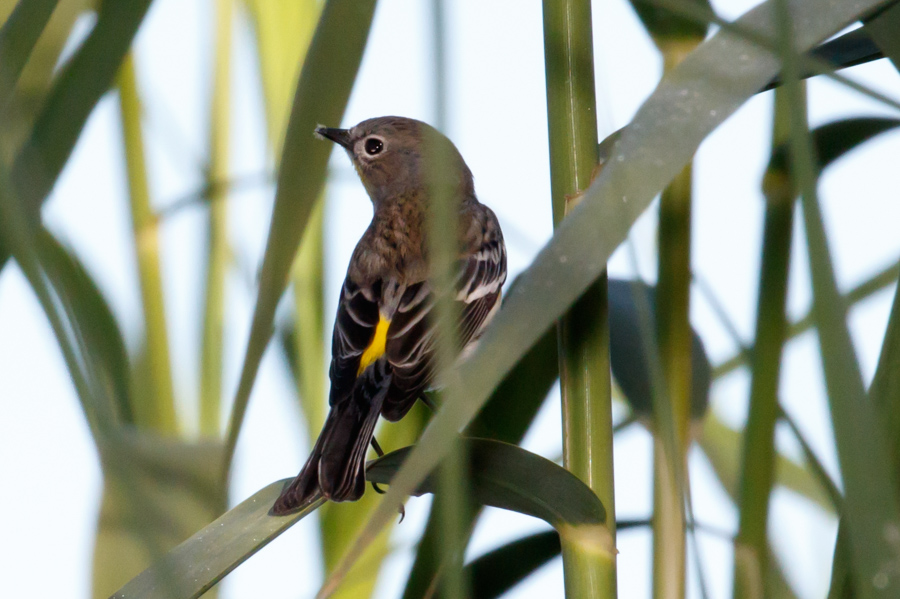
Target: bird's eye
x,y
374,146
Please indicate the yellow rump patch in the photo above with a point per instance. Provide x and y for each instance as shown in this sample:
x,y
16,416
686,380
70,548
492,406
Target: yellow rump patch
x,y
376,347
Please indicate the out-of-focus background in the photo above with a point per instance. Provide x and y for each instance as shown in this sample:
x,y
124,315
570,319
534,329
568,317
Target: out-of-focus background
x,y
494,109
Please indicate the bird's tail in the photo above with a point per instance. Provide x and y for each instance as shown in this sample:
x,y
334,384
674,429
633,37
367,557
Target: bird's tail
x,y
336,467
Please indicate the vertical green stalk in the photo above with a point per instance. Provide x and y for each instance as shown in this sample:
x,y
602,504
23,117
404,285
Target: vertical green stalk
x,y
443,208
217,249
584,331
454,508
159,412
672,422
759,453
674,334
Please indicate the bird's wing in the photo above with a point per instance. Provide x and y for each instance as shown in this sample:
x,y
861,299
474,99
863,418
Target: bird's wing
x,y
355,331
411,336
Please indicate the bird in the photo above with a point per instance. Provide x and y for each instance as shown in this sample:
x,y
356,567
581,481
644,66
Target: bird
x,y
383,344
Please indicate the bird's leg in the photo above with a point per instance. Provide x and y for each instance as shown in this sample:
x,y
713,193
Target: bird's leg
x,y
380,452
428,402
377,448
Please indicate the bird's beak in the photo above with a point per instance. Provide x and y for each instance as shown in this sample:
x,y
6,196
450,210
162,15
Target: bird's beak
x,y
338,136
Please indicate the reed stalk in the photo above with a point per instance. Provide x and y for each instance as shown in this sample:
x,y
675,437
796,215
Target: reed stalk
x,y
218,253
584,331
158,412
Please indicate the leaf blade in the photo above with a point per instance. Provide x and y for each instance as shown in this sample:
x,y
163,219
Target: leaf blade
x,y
224,544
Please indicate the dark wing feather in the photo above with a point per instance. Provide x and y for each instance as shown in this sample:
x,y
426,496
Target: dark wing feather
x,y
354,327
410,342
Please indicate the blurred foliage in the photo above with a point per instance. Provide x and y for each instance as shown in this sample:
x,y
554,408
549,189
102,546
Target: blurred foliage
x,y
164,491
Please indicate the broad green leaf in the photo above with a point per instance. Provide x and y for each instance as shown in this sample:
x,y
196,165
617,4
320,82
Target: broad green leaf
x,y
93,321
497,571
197,564
848,50
33,80
156,493
504,476
666,27
691,101
18,37
885,389
75,93
882,28
833,140
630,356
870,505
884,393
323,90
509,477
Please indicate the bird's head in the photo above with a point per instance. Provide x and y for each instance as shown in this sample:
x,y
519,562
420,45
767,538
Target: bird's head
x,y
396,156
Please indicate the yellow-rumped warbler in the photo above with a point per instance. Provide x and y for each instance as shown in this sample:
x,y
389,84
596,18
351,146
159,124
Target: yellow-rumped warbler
x,y
383,341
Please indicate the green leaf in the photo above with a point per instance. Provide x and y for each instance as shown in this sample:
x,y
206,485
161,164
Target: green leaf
x,y
92,319
156,493
870,505
833,140
18,36
631,358
667,27
704,90
497,571
885,389
76,91
882,28
326,79
503,476
509,477
848,50
197,564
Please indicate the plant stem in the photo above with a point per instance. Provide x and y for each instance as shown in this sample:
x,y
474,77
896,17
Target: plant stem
x,y
218,250
675,344
759,454
159,413
584,331
454,509
672,402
